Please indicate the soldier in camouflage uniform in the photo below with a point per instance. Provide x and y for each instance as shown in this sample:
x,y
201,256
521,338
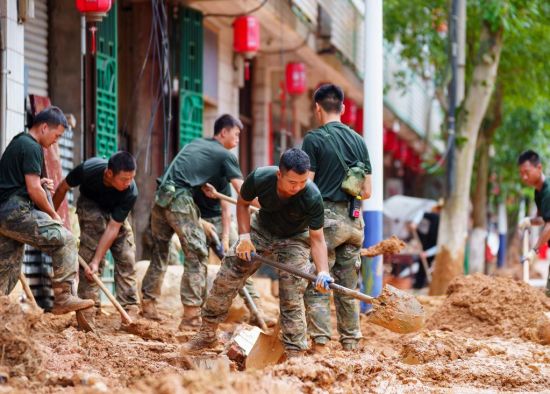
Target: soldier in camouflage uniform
x,y
218,213
204,160
108,193
26,216
344,234
290,206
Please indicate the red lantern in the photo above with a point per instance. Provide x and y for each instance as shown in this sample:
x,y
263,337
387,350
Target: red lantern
x,y
295,78
359,121
391,142
94,10
246,35
349,116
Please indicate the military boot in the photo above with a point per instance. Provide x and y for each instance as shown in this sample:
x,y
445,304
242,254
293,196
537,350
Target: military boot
x,y
149,310
206,338
65,301
319,348
191,319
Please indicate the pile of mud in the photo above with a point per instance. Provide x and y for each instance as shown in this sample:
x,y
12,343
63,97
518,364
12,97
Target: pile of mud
x,y
392,245
19,351
480,306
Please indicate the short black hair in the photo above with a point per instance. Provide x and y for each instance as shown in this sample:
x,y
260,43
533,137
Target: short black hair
x,y
52,116
531,156
226,121
121,161
296,160
330,97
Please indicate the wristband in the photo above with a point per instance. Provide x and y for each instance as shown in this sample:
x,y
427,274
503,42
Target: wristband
x,y
245,236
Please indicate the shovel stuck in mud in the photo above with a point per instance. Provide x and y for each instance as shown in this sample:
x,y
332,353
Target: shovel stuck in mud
x,y
394,309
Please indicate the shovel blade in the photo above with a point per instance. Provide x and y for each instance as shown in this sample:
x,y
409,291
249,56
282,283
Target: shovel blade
x,y
268,350
398,311
83,324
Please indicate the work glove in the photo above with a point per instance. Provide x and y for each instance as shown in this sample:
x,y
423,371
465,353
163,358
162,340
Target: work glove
x,y
524,223
322,282
531,256
245,248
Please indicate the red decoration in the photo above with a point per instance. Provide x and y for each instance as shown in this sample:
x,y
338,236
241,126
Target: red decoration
x,y
246,35
349,116
94,10
392,142
295,76
359,121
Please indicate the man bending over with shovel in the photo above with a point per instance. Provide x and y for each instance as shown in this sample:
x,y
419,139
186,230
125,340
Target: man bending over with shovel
x,y
289,226
108,193
26,216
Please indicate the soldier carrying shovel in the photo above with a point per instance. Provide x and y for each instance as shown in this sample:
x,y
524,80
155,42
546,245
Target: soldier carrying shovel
x,y
26,216
108,193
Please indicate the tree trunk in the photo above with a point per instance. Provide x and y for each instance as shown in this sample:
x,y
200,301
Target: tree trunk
x,y
453,227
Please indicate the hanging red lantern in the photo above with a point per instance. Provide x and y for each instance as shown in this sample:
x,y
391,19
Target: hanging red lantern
x,y
349,116
295,78
246,35
94,10
359,121
392,142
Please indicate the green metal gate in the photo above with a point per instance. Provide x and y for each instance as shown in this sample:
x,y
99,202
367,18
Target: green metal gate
x,y
107,85
190,72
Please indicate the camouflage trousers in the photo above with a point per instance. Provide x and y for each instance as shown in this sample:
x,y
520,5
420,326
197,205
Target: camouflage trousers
x,y
344,238
93,222
21,223
234,272
182,216
217,221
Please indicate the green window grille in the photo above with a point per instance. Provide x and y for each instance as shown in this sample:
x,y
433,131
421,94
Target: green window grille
x,y
107,85
190,73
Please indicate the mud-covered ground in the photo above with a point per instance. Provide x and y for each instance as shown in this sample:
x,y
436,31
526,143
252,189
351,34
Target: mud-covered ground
x,y
487,335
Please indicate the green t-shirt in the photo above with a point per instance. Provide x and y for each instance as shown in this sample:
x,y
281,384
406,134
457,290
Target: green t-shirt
x,y
203,160
89,176
284,217
329,172
210,207
24,155
542,199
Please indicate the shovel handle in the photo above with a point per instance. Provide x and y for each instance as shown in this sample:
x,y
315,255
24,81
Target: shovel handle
x,y
27,289
231,200
311,278
250,301
113,300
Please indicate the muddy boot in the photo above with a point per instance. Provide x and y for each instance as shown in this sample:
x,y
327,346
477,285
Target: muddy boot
x,y
349,346
206,338
293,353
65,301
319,348
149,310
191,319
132,311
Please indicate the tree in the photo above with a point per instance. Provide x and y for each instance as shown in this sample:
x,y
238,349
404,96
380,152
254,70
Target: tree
x,y
491,23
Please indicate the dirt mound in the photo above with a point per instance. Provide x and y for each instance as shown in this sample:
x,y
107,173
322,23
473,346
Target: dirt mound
x,y
148,329
219,379
480,306
19,352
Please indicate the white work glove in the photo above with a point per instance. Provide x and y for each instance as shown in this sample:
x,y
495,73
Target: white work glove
x,y
323,281
524,223
531,256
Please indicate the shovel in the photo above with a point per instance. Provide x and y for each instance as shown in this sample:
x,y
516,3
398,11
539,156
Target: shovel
x,y
394,309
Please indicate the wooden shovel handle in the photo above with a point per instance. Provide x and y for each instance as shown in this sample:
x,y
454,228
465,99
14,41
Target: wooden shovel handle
x,y
311,278
127,319
231,200
27,289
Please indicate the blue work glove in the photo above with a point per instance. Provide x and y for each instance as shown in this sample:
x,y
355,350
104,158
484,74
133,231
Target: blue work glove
x,y
322,282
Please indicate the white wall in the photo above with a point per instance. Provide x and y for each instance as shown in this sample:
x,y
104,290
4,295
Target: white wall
x,y
14,69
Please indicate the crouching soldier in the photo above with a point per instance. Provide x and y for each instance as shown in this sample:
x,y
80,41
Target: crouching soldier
x,y
107,195
27,217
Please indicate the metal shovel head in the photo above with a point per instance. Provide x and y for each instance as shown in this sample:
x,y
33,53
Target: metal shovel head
x,y
398,311
83,324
